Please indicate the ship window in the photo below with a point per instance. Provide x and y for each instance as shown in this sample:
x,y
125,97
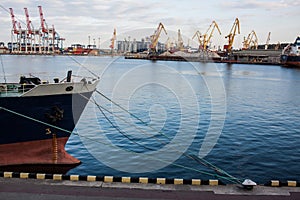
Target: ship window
x,y
70,88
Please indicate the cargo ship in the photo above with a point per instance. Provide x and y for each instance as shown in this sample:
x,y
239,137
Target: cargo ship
x,y
36,120
290,56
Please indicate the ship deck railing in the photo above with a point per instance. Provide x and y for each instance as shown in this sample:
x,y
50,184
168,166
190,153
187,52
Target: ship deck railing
x,y
14,89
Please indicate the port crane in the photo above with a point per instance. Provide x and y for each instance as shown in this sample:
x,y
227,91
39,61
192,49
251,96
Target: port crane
x,y
206,37
234,30
113,39
30,35
179,41
14,22
16,31
199,36
49,35
251,39
44,30
155,36
268,41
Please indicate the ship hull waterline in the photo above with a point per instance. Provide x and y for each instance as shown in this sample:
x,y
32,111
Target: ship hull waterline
x,y
29,146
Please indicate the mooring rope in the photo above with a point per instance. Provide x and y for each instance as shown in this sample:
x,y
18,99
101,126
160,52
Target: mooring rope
x,y
81,65
93,140
192,156
33,119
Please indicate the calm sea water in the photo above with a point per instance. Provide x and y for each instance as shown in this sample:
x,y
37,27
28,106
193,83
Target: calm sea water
x,y
243,119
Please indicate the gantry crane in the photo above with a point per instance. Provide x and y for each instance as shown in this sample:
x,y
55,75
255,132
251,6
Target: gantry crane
x,y
206,37
231,35
30,33
14,22
155,36
43,21
268,41
16,31
199,36
49,35
251,39
45,32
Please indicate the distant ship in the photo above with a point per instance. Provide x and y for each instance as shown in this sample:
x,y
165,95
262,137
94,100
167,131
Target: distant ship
x,y
290,56
36,120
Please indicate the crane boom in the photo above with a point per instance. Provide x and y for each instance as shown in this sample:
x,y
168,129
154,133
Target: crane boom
x,y
231,35
251,39
112,45
44,30
14,22
199,36
268,41
180,40
206,39
155,36
28,22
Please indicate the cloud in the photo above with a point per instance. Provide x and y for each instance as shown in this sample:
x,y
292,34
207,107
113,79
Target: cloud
x,y
267,5
76,20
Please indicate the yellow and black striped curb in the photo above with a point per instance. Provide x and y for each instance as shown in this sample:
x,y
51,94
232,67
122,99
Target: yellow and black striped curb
x,y
143,180
277,183
111,179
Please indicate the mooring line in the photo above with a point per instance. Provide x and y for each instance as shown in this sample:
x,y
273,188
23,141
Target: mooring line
x,y
33,119
193,157
93,140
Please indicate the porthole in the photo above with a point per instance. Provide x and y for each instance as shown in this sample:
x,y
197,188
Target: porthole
x,y
70,88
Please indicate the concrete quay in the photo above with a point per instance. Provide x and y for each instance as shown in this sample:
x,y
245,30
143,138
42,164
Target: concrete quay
x,y
47,189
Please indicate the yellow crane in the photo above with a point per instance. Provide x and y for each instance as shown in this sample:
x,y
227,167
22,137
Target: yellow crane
x,y
251,39
206,37
268,41
231,35
199,36
155,36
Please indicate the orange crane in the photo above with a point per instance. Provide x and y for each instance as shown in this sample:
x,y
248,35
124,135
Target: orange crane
x,y
206,37
45,32
113,39
155,36
49,35
43,21
28,22
30,33
21,34
199,36
231,35
14,22
251,39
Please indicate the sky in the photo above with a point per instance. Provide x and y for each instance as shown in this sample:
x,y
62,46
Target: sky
x,y
78,20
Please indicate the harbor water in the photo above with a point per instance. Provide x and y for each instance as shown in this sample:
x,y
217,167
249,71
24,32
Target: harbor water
x,y
244,119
